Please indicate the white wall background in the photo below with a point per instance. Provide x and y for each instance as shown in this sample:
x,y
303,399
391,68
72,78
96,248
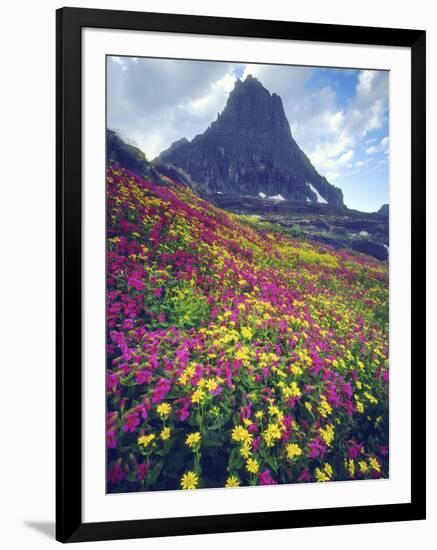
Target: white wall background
x,y
27,278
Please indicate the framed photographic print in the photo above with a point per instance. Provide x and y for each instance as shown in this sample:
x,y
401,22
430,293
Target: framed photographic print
x,y
240,274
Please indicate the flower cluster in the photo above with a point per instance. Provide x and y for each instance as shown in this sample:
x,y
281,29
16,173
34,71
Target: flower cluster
x,y
237,355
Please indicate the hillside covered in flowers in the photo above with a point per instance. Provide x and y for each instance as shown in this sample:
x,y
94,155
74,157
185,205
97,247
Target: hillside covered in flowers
x,y
236,355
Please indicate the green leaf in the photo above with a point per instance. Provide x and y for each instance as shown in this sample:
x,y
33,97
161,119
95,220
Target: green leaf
x,y
154,472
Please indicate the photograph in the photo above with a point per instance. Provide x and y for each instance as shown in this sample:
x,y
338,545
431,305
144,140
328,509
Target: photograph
x,y
247,274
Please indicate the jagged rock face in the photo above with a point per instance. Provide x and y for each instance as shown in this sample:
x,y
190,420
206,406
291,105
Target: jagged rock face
x,y
249,150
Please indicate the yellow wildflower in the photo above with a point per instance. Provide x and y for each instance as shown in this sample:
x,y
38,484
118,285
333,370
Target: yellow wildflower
x,y
198,396
327,434
145,440
370,398
211,385
165,434
189,481
246,333
324,408
193,439
240,434
291,391
363,466
252,465
273,410
272,433
163,409
246,449
232,481
296,370
358,404
293,450
243,354
375,464
324,474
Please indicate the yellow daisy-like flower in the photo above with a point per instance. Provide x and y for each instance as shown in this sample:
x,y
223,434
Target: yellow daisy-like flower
x,y
375,464
198,396
189,481
370,398
273,410
359,405
308,406
246,333
271,434
351,467
163,409
232,481
327,434
362,464
293,450
246,449
291,391
324,408
252,465
240,434
193,439
145,440
259,415
296,370
324,474
242,354
211,385
165,434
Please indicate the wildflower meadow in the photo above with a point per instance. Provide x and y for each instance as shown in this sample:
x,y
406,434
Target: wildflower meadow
x,y
236,355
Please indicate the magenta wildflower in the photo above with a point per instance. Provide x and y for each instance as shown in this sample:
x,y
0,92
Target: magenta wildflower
x,y
266,479
131,421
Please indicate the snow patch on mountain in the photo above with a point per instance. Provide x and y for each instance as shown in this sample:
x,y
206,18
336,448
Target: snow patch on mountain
x,y
320,199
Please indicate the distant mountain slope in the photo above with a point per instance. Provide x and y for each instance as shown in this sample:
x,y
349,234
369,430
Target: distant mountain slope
x,y
384,211
249,150
128,156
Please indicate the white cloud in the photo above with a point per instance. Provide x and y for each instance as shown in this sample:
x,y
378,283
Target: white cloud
x,y
327,133
214,100
346,156
382,147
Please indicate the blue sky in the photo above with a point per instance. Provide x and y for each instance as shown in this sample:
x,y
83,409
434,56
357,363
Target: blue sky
x,y
339,117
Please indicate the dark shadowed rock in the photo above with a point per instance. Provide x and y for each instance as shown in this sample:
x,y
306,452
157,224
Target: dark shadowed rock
x,y
249,150
128,156
378,251
383,212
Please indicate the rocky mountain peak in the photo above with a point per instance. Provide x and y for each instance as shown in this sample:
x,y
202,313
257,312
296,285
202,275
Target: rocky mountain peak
x,y
250,151
251,106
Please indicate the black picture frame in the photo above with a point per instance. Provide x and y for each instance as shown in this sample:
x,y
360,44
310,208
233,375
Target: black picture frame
x,y
69,24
